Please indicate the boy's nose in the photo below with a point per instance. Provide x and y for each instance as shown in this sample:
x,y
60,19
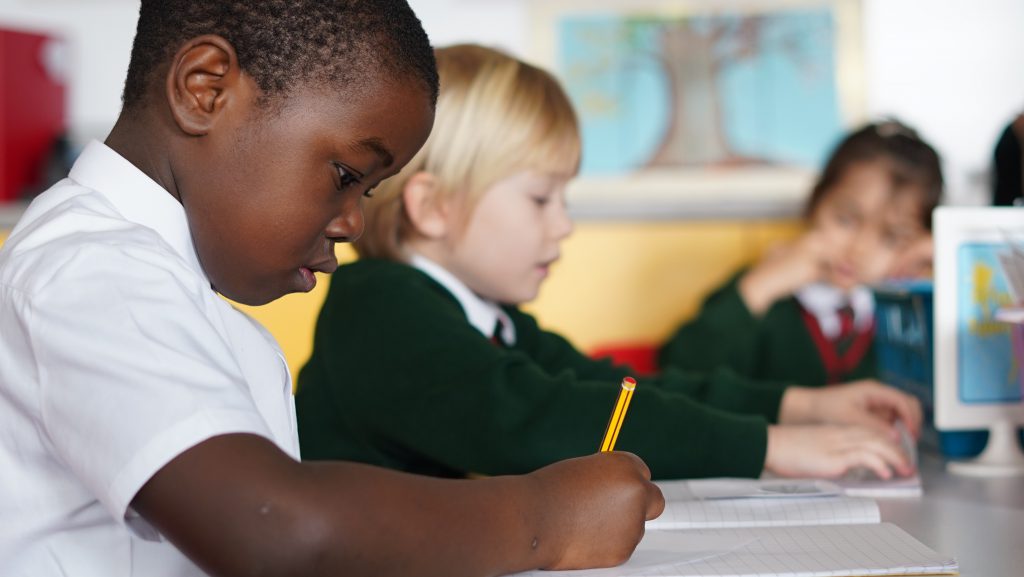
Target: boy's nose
x,y
562,226
347,226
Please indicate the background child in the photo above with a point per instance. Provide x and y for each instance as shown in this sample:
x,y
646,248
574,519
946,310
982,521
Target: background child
x,y
455,379
136,403
804,314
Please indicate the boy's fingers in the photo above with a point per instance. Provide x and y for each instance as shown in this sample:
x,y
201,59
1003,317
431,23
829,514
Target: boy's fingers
x,y
866,458
655,502
916,417
906,407
892,454
639,463
873,421
653,498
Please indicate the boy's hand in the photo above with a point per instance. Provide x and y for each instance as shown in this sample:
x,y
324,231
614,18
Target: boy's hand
x,y
598,504
866,403
829,451
784,270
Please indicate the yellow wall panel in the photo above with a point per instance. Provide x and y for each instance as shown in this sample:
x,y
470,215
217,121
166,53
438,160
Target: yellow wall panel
x,y
635,282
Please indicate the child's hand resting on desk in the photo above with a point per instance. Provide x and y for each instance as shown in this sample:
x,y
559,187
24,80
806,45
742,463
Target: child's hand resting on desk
x,y
784,270
866,403
602,502
829,451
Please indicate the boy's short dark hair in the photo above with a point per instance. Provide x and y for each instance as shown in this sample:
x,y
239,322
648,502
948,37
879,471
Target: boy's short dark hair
x,y
280,43
912,163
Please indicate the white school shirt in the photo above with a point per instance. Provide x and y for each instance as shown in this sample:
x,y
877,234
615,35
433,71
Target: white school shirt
x,y
115,357
482,314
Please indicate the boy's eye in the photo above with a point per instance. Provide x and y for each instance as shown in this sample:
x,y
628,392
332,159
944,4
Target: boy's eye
x,y
346,176
541,200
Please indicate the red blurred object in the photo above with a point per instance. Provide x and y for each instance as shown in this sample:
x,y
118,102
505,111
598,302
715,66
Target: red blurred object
x,y
32,92
642,358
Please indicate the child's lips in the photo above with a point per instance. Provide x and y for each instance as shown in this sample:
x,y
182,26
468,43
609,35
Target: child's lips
x,y
843,269
308,278
844,273
545,266
326,266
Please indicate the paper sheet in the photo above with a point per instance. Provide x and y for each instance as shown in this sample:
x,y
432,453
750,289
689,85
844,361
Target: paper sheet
x,y
687,506
808,551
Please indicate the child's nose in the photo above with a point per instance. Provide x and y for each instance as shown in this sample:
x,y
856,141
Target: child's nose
x,y
347,226
562,225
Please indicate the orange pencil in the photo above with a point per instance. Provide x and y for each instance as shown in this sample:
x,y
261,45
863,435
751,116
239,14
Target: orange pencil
x,y
611,433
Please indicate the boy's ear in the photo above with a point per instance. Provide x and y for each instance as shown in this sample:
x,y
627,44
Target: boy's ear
x,y
427,211
202,76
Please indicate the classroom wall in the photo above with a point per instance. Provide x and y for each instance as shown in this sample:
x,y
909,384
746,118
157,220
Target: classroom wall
x,y
951,67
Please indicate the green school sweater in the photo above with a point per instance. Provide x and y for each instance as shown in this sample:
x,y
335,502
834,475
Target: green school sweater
x,y
399,378
778,346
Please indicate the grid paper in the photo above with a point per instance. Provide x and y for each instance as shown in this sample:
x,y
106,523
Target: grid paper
x,y
808,551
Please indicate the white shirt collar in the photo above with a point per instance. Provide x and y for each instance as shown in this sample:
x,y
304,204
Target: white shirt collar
x,y
823,301
481,314
136,196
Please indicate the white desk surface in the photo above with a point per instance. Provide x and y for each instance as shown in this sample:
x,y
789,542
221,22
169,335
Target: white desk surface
x,y
980,521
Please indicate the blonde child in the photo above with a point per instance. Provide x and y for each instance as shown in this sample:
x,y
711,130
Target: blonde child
x,y
146,426
423,362
804,314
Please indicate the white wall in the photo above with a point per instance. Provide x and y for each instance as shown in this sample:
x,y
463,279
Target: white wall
x,y
98,35
952,68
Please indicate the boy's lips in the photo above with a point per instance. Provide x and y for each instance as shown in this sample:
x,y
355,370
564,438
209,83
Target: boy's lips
x,y
326,266
547,263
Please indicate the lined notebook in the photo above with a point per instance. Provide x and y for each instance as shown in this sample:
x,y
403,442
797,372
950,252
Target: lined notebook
x,y
758,528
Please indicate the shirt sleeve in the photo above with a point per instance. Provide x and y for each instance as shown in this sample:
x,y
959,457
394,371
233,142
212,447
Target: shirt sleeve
x,y
720,388
411,376
723,334
132,370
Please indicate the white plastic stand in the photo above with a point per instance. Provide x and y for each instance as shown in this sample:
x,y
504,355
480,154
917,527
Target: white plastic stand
x,y
1002,456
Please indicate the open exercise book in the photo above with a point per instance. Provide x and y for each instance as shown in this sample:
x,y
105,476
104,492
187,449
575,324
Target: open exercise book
x,y
778,528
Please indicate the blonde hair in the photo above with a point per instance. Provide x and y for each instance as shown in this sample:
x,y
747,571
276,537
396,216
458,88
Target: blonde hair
x,y
495,116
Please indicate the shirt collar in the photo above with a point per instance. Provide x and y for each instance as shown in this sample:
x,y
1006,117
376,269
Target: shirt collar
x,y
136,196
823,301
481,314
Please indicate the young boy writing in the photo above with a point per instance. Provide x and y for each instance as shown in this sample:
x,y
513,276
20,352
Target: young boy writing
x,y
464,382
147,426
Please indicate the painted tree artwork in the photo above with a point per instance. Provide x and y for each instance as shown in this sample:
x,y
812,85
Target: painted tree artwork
x,y
713,91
